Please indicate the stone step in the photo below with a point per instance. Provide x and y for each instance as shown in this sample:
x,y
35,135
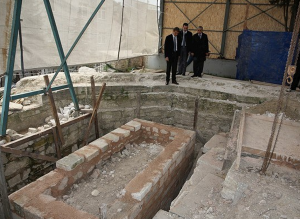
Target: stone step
x,y
191,199
213,158
218,140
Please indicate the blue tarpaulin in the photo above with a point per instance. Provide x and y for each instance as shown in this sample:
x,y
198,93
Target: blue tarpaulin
x,y
262,55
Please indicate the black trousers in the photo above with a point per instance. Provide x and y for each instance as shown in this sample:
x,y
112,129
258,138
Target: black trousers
x,y
172,64
182,60
198,66
296,79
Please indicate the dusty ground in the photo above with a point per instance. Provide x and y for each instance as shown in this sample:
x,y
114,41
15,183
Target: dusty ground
x,y
292,109
276,195
152,79
109,178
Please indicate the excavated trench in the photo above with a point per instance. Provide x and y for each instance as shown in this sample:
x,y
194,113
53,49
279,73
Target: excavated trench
x,y
137,96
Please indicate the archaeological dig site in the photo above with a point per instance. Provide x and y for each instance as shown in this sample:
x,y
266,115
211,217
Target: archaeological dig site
x,y
150,109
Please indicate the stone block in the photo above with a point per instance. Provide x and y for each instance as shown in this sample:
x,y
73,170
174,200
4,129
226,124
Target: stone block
x,y
216,141
136,125
32,213
11,167
14,181
111,137
142,193
213,158
69,162
101,144
166,215
88,152
123,132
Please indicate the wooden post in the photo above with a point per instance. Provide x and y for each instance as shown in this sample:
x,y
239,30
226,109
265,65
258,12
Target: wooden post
x,y
138,105
56,142
196,114
93,114
240,139
6,212
54,111
94,102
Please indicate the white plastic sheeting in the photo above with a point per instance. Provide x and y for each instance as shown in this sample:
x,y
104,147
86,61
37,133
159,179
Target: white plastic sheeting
x,y
99,43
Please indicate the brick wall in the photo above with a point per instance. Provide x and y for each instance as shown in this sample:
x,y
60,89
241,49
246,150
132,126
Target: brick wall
x,y
157,184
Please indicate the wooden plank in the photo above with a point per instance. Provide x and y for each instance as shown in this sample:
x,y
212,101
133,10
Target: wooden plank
x,y
54,111
28,154
34,136
94,112
196,114
93,87
56,142
240,140
138,105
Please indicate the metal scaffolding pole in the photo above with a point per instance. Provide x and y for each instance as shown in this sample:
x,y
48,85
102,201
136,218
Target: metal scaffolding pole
x,y
61,52
225,25
5,105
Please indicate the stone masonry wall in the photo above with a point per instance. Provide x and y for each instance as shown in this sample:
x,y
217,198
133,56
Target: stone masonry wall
x,y
168,105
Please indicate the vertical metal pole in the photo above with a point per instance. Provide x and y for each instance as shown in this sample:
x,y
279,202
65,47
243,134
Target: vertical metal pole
x,y
61,52
6,96
160,24
225,25
10,65
21,49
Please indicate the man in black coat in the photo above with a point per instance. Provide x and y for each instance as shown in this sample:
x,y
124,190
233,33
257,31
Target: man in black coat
x,y
186,46
296,77
199,50
172,52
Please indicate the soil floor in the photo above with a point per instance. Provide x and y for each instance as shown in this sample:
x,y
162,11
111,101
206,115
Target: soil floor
x,y
275,195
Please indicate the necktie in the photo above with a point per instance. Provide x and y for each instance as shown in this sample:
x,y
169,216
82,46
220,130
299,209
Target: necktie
x,y
200,35
175,44
183,40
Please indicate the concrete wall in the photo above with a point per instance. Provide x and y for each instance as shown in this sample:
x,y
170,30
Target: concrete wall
x,y
218,67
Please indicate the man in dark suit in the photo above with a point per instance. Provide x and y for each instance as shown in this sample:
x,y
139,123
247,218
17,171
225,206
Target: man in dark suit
x,y
199,50
172,52
186,46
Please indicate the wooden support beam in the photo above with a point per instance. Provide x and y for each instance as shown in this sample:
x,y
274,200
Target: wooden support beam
x,y
54,110
28,154
196,114
34,136
93,87
240,140
56,142
94,113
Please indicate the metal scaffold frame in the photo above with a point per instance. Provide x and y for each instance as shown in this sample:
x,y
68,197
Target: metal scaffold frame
x,y
7,97
225,29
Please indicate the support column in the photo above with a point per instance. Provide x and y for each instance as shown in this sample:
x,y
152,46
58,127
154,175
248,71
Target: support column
x,y
225,25
61,52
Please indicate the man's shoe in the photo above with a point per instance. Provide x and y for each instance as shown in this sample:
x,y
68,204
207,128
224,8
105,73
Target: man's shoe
x,y
178,73
193,76
175,82
167,83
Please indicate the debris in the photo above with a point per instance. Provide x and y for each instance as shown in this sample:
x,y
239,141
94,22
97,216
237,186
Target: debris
x,y
95,193
32,130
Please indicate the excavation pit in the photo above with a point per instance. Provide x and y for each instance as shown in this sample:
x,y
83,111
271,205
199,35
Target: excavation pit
x,y
133,171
